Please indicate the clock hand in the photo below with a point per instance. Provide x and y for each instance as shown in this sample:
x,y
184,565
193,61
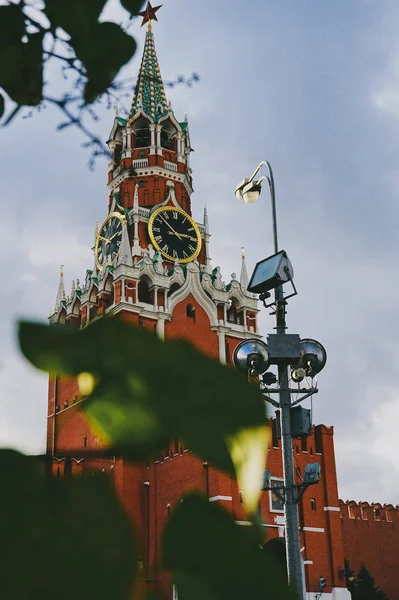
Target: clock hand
x,y
170,227
193,239
115,234
106,240
185,235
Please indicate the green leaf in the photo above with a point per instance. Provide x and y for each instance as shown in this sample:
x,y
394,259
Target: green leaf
x,y
21,70
103,53
103,48
2,105
212,557
74,16
132,6
149,391
63,538
12,25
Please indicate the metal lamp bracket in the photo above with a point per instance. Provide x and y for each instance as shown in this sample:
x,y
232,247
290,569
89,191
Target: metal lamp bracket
x,y
303,487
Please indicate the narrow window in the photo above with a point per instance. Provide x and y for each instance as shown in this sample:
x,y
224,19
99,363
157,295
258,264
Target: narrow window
x,y
227,349
176,446
311,451
144,291
85,441
274,434
190,311
241,497
313,504
304,443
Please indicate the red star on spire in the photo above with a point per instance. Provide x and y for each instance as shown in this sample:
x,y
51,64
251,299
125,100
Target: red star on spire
x,y
149,13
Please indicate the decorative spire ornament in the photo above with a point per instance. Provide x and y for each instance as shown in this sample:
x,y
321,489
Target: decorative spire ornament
x,y
149,14
244,273
61,290
125,253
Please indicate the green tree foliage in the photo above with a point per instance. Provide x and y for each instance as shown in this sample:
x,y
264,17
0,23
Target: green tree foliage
x,y
364,587
36,36
89,45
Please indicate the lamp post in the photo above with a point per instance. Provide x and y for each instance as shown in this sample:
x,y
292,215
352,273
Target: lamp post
x,y
249,190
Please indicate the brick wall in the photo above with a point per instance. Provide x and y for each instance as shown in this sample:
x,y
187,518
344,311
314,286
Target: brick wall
x,y
371,536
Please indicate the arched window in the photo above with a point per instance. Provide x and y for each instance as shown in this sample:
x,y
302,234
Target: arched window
x,y
142,136
168,136
190,311
144,291
232,312
116,155
313,504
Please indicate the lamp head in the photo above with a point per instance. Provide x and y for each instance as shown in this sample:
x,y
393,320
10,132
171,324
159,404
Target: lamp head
x,y
270,273
239,188
251,356
251,192
312,361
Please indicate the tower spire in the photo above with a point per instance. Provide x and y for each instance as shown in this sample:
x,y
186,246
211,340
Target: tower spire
x,y
244,273
149,93
61,290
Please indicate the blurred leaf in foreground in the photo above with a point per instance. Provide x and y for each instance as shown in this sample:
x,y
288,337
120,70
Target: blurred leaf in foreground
x,y
148,391
212,557
63,538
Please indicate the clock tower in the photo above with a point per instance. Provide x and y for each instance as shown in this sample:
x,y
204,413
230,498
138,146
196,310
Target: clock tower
x,y
152,268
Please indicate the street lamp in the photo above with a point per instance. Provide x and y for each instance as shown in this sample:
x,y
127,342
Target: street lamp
x,y
305,358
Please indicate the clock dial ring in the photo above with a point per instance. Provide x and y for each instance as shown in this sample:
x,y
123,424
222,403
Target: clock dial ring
x,y
174,234
109,239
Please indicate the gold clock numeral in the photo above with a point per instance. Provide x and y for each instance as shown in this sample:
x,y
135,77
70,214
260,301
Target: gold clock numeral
x,y
156,229
175,214
185,254
191,248
165,248
175,255
158,238
190,229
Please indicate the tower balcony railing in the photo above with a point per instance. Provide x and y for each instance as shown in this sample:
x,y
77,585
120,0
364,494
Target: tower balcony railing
x,y
140,163
170,166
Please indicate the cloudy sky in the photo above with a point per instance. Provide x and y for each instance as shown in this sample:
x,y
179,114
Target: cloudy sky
x,y
311,86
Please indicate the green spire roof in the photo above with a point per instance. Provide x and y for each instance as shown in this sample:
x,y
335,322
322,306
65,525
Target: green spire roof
x,y
149,94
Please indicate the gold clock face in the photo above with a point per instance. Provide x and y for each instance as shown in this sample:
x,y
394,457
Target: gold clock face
x,y
174,233
109,239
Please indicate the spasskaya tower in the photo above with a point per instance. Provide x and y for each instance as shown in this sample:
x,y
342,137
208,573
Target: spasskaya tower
x,y
152,267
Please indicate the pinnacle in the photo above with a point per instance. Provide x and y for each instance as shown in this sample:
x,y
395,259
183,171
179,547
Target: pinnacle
x,y
149,94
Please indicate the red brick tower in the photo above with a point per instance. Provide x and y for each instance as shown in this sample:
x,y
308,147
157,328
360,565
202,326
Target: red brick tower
x,y
152,267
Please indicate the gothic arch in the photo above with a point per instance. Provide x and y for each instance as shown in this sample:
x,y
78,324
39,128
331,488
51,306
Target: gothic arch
x,y
193,286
